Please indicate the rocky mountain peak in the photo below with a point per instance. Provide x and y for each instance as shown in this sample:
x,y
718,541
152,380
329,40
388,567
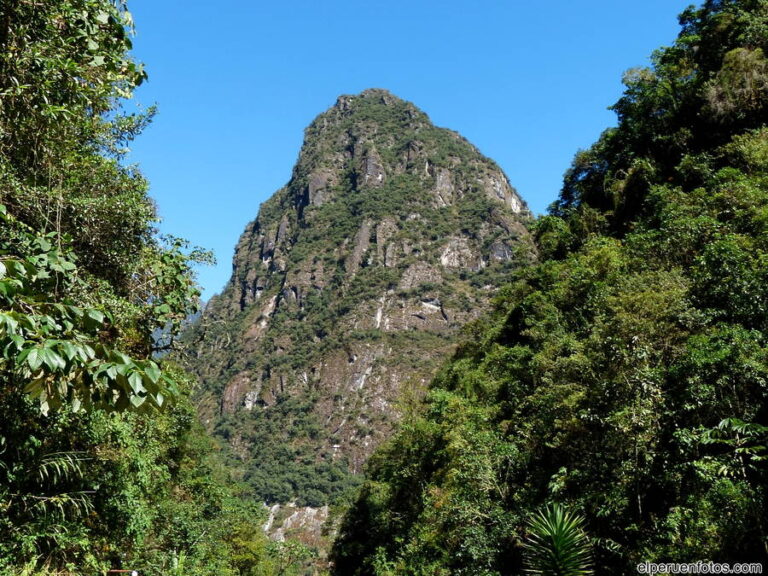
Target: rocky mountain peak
x,y
349,286
374,136
373,96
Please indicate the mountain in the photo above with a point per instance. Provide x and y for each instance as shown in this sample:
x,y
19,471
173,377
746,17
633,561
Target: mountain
x,y
348,291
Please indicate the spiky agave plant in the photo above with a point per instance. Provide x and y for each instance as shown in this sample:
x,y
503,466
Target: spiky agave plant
x,y
557,544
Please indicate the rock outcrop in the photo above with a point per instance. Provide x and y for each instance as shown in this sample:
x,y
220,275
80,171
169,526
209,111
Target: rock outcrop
x,y
348,289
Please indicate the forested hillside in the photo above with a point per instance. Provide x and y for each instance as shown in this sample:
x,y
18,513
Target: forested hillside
x,y
102,461
348,291
606,405
625,377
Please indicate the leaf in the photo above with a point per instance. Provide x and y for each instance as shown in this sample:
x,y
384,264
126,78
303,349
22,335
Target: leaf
x,y
124,369
120,358
134,379
557,543
152,371
43,244
75,311
34,387
69,350
95,315
15,341
10,323
137,400
34,359
88,352
52,360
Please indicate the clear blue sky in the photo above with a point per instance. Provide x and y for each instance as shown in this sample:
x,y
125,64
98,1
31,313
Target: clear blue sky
x,y
237,81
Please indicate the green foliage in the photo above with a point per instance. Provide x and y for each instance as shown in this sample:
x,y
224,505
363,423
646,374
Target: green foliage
x,y
57,66
740,87
626,372
287,466
92,474
747,441
54,347
557,545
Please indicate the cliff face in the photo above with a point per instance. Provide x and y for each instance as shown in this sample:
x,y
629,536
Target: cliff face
x,y
348,288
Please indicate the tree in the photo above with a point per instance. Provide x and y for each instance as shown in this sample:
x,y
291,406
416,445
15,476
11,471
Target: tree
x,y
626,372
87,425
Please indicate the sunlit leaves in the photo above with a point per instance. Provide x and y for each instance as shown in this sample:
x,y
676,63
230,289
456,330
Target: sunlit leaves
x,y
740,87
56,348
747,440
628,371
76,335
557,544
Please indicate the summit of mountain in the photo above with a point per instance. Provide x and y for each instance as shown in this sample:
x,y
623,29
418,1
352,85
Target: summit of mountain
x,y
348,289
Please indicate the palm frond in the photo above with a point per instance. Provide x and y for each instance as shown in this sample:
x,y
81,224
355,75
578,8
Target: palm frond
x,y
57,467
557,544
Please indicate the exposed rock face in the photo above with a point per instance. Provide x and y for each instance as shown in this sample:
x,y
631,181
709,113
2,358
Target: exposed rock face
x,y
351,284
304,522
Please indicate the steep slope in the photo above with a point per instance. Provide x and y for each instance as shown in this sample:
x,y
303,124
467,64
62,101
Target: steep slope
x,y
626,375
347,289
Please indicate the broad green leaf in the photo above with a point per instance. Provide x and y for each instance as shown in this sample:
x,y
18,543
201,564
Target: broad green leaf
x,y
75,311
152,371
120,358
15,343
88,352
69,350
35,387
137,400
124,369
9,322
95,315
52,360
134,379
44,245
34,359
